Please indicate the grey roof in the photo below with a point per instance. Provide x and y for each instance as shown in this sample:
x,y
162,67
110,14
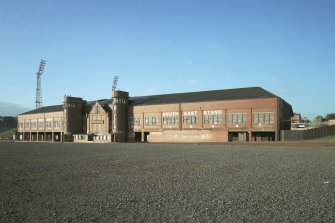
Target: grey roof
x,y
54,108
202,96
58,108
103,102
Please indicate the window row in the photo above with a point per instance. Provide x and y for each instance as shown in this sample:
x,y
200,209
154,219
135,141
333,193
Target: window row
x,y
120,100
237,118
212,119
151,121
264,117
170,120
191,119
209,117
97,127
97,117
41,124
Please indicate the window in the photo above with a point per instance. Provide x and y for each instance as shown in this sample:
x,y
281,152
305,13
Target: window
x,y
151,121
256,117
40,123
137,121
237,118
213,117
57,123
48,124
170,118
34,124
230,118
260,117
27,125
264,117
206,119
210,119
216,119
272,117
190,117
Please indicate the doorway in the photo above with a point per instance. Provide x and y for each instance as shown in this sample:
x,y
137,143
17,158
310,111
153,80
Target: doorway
x,y
138,136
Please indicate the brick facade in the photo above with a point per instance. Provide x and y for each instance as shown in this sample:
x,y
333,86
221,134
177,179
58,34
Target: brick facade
x,y
250,114
206,132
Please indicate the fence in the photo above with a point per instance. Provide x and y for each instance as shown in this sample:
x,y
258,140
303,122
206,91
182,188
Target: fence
x,y
295,135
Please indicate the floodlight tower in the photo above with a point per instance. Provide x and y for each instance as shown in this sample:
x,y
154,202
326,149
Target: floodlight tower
x,y
39,73
115,81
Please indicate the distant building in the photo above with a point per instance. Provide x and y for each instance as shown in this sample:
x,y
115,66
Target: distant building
x,y
296,118
331,122
244,114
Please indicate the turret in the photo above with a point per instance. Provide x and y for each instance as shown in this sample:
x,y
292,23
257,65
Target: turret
x,y
73,108
120,116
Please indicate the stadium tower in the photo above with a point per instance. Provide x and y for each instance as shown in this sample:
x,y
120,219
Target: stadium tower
x,y
38,100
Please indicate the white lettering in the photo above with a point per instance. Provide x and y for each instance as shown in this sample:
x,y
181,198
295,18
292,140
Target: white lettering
x,y
213,112
165,114
190,113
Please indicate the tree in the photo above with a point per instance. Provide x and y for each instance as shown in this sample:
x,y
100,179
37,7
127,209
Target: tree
x,y
319,118
305,120
330,116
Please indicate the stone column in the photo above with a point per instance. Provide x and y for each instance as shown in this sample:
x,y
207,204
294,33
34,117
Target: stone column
x,y
142,136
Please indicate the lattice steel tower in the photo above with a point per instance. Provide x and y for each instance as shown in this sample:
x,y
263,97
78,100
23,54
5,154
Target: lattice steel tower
x,y
39,73
115,81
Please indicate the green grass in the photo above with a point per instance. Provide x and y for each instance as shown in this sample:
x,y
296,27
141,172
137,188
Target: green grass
x,y
8,134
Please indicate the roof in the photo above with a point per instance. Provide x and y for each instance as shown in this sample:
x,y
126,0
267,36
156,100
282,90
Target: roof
x,y
59,108
103,102
54,108
202,96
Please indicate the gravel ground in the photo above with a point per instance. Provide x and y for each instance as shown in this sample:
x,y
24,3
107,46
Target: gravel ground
x,y
44,182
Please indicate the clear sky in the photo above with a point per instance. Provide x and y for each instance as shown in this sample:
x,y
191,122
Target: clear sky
x,y
167,46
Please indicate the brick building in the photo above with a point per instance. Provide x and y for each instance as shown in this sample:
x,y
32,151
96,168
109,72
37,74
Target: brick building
x,y
244,114
296,118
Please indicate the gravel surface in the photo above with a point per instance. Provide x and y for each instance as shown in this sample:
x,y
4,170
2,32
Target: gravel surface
x,y
61,182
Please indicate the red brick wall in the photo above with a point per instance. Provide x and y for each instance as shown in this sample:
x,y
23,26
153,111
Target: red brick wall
x,y
198,132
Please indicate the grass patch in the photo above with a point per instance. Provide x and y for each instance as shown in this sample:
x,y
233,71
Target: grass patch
x,y
8,133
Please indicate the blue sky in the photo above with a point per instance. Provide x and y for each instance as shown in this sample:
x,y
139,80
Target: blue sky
x,y
168,46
